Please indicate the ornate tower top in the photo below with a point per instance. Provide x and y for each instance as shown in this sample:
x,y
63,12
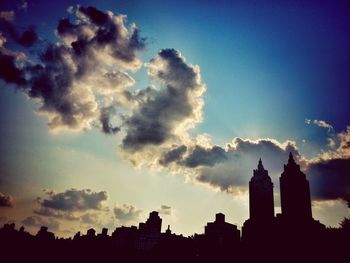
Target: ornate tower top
x,y
292,167
260,172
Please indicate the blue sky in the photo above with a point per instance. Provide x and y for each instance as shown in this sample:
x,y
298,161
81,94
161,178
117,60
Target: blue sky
x,y
267,67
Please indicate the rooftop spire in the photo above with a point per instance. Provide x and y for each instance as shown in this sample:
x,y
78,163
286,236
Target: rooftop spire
x,y
291,159
260,165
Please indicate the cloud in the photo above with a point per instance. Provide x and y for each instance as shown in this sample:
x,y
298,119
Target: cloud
x,y
175,154
23,5
242,155
8,16
320,123
6,200
126,213
90,219
88,64
70,9
45,211
105,118
329,172
36,221
165,210
74,200
27,38
9,71
330,179
166,113
201,156
229,167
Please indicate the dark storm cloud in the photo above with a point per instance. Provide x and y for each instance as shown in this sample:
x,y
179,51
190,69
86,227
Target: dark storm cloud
x,y
6,200
75,200
37,221
330,179
105,118
330,173
155,120
126,213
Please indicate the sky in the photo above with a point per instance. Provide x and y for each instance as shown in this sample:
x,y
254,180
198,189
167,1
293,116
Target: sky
x,y
113,109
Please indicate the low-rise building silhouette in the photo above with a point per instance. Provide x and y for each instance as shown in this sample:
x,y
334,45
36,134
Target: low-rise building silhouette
x,y
221,232
149,232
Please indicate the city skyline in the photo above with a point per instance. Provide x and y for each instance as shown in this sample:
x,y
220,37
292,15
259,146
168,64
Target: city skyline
x,y
113,109
292,230
296,210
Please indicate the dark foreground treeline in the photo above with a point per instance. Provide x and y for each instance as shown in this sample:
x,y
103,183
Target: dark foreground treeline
x,y
129,245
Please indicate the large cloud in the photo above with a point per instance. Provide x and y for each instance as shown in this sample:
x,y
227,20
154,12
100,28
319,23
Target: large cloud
x,y
164,115
87,66
6,200
233,171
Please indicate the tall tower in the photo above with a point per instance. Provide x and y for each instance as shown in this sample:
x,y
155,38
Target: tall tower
x,y
295,193
261,205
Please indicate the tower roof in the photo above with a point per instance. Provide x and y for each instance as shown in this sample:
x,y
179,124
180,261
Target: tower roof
x,y
260,173
260,165
291,158
292,167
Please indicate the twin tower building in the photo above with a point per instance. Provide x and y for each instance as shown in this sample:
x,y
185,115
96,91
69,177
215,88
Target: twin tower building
x,y
295,205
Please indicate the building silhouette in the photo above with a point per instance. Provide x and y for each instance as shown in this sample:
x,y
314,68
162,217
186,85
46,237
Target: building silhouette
x,y
221,232
149,232
153,225
261,206
296,218
295,193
